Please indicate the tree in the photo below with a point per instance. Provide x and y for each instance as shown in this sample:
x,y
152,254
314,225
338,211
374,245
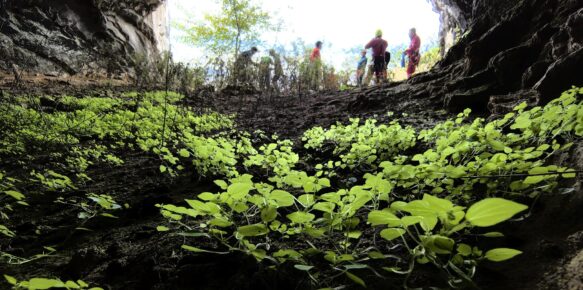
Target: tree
x,y
238,22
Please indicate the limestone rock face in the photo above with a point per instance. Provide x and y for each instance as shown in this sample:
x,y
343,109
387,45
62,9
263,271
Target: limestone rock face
x,y
79,36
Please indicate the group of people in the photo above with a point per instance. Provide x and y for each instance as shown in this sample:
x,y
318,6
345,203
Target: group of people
x,y
378,65
243,74
381,57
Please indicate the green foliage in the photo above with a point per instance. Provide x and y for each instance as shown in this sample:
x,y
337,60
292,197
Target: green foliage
x,y
45,283
239,21
433,204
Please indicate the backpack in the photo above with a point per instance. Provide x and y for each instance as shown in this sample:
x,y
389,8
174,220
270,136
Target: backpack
x,y
387,57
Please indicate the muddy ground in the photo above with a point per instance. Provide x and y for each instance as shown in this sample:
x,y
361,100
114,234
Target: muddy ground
x,y
128,253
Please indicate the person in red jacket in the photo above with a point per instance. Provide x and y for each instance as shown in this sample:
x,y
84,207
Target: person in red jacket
x,y
316,52
413,52
379,47
315,68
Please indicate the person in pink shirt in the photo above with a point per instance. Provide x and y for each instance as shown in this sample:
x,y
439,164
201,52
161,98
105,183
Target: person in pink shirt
x,y
379,47
413,52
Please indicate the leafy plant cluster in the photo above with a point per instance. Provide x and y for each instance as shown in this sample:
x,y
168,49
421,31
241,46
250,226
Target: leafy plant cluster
x,y
68,135
404,210
44,283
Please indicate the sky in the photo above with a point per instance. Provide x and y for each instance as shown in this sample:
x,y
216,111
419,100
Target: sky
x,y
341,24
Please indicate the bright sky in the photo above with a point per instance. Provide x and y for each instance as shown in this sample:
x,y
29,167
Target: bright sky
x,y
340,24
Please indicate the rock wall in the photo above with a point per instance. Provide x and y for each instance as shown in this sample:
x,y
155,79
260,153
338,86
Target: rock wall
x,y
79,36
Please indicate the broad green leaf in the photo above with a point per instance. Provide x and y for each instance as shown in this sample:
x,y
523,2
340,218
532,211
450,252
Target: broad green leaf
x,y
253,230
220,222
491,211
207,196
534,179
222,184
268,214
282,198
301,217
43,283
464,250
163,168
439,244
306,200
239,191
411,220
382,217
501,254
392,233
324,206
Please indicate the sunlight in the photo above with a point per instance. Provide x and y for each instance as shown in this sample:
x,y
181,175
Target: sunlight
x,y
341,25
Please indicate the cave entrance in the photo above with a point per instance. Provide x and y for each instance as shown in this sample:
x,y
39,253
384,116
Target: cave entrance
x,y
343,26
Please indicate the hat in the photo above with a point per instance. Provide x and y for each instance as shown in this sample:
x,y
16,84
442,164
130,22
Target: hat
x,y
379,33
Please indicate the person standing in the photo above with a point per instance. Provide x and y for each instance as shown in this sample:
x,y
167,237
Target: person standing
x,y
413,52
379,47
361,68
265,73
277,69
315,66
242,71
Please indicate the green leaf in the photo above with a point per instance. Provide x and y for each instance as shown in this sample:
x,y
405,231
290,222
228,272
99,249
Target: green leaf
x,y
162,229
239,191
356,279
392,233
15,194
199,250
221,183
282,198
207,196
306,200
382,217
184,153
301,217
220,222
464,250
534,179
163,168
71,285
439,244
324,206
491,211
11,280
43,283
268,214
303,267
501,254
254,230
493,235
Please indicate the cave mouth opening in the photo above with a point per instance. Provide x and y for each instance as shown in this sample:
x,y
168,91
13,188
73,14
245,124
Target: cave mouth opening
x,y
344,27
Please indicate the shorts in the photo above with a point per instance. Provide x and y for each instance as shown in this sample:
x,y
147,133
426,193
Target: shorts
x,y
379,65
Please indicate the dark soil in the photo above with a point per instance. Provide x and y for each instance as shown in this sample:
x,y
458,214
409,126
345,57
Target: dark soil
x,y
129,253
